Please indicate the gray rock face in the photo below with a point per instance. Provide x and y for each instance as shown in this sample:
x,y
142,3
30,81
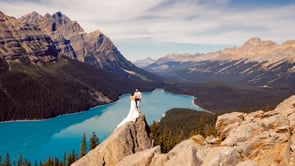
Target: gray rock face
x,y
59,27
258,138
26,42
93,48
130,138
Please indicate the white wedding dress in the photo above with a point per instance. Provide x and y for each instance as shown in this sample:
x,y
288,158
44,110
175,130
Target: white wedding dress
x,y
132,115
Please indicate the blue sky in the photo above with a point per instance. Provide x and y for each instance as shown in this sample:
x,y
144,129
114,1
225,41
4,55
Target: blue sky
x,y
154,28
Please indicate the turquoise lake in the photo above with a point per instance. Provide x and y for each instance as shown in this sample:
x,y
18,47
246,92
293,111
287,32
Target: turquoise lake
x,y
36,140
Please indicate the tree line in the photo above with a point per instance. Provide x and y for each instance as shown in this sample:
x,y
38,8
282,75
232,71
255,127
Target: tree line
x,y
38,92
179,124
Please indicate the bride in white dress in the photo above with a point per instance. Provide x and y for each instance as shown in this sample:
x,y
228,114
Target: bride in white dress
x,y
133,112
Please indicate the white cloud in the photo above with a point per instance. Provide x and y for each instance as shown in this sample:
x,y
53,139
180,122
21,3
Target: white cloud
x,y
179,21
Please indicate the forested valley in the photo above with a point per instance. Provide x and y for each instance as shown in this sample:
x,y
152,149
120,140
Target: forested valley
x,y
179,124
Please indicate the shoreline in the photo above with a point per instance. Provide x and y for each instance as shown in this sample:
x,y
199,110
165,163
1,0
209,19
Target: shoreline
x,y
113,102
193,101
194,104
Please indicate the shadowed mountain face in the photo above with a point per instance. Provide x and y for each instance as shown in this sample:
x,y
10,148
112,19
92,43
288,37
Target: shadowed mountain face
x,y
41,77
92,48
258,63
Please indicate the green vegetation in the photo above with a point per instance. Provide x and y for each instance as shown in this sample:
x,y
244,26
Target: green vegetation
x,y
94,141
220,97
83,146
42,91
179,124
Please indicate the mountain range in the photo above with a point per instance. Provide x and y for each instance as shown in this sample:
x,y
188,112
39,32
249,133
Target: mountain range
x,y
50,66
144,62
52,61
256,62
92,48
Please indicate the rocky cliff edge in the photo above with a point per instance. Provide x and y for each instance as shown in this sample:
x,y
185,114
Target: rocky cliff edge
x,y
128,139
258,138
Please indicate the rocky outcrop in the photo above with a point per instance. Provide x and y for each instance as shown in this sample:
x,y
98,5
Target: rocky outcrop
x,y
21,41
258,138
59,27
128,139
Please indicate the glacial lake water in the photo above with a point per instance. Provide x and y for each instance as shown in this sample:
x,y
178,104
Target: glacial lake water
x,y
36,140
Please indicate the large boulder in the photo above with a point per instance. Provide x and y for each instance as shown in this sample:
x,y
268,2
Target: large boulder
x,y
128,139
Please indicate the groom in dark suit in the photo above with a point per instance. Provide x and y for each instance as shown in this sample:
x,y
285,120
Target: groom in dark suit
x,y
138,97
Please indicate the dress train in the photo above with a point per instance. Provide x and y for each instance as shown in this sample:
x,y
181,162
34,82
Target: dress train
x,y
132,115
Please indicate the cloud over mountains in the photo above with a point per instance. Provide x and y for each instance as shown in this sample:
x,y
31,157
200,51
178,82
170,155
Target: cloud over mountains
x,y
185,21
216,23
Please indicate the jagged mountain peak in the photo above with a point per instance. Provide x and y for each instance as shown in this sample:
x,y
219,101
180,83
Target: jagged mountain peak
x,y
257,50
257,43
93,48
144,62
24,40
57,22
32,18
149,58
33,14
253,40
176,57
289,43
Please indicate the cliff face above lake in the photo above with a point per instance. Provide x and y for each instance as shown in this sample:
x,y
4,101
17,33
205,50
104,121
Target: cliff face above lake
x,y
258,138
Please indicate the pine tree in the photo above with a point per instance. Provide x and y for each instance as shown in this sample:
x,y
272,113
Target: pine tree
x,y
49,162
20,160
65,159
56,162
83,146
28,163
70,160
94,141
7,160
74,156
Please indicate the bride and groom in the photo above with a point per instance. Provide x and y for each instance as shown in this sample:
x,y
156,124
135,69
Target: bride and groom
x,y
135,98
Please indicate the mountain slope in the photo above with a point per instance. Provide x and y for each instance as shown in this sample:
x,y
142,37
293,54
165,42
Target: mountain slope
x,y
259,63
93,48
36,92
37,81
